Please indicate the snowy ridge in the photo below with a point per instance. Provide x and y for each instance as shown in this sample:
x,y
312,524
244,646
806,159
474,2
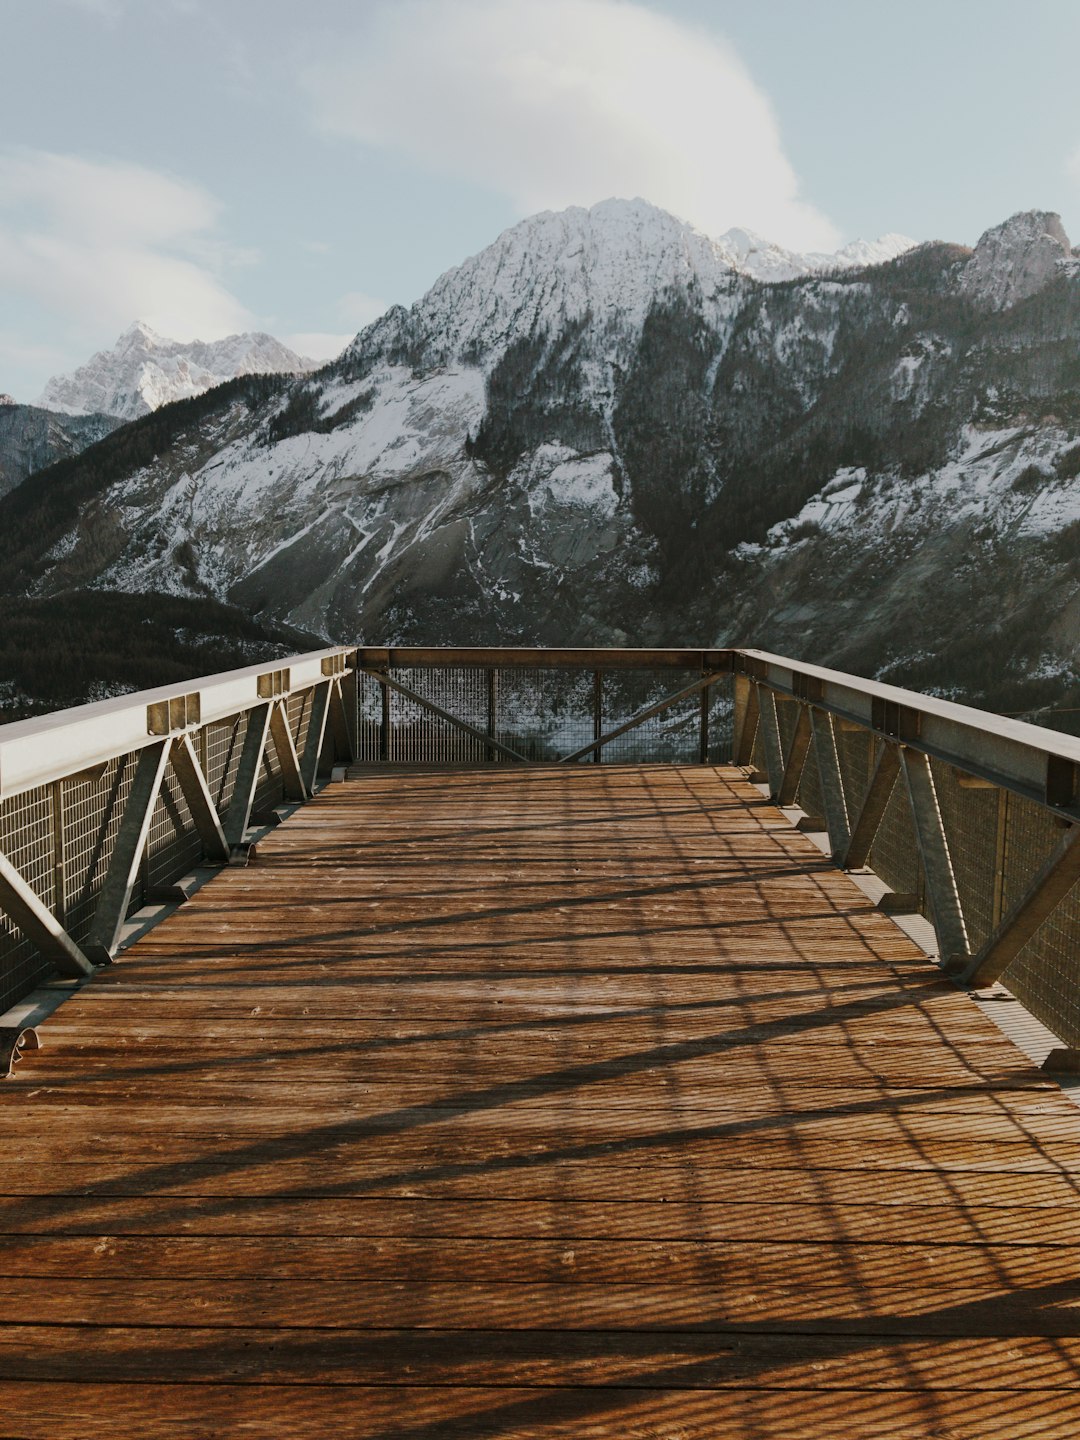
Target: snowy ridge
x,y
144,370
605,268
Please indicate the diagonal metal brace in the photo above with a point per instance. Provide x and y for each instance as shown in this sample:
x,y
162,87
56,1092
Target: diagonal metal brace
x,y
642,716
875,802
796,759
200,802
948,915
388,684
123,869
1051,885
39,924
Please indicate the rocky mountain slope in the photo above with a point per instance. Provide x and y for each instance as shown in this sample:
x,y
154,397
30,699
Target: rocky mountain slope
x,y
604,429
144,371
32,438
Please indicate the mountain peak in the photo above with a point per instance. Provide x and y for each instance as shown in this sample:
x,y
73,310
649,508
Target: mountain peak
x,y
145,370
1015,259
606,267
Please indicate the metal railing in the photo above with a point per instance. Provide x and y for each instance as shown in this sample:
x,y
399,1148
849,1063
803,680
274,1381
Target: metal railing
x,y
970,818
102,807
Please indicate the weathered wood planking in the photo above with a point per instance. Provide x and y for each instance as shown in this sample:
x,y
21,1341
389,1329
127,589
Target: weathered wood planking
x,y
566,1102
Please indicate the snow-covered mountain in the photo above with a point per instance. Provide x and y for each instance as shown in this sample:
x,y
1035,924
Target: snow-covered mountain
x,y
604,429
144,371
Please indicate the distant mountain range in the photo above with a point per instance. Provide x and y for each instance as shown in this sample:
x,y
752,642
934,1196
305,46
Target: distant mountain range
x,y
144,371
609,428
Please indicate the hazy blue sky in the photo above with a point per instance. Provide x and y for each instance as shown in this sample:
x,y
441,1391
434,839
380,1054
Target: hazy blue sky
x,y
214,165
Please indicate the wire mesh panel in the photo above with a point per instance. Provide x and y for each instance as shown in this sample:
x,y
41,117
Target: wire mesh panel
x,y
220,748
973,822
895,852
1046,973
27,838
857,754
93,806
270,789
544,714
809,796
417,734
173,844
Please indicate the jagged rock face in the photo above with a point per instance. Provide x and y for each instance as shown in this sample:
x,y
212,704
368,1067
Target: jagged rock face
x,y
1016,259
31,439
603,430
144,371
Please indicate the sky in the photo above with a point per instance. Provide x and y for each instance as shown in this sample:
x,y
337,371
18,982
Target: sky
x,y
211,166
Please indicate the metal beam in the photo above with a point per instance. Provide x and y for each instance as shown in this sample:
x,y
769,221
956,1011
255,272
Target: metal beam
x,y
489,740
640,718
769,726
38,924
200,802
374,657
1041,764
238,814
285,749
1049,888
837,820
796,758
115,896
875,801
947,912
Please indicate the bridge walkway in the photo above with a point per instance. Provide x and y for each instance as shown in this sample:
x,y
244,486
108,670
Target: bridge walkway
x,y
581,1101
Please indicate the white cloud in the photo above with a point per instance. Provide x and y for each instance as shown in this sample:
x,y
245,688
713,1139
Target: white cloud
x,y
102,243
356,308
561,102
317,344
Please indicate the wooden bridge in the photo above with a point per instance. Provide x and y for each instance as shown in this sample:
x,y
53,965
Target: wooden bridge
x,y
535,1100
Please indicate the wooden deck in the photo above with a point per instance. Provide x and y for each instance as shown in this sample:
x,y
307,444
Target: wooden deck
x,y
579,1102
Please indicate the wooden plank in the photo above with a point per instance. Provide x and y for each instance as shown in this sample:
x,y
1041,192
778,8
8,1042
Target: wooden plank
x,y
89,1411
603,1107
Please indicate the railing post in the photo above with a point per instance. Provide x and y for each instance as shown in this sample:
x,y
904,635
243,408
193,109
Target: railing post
x,y
746,721
59,858
598,715
770,734
703,732
384,728
492,709
837,821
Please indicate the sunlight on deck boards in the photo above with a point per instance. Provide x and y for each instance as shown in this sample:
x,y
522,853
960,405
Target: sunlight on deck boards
x,y
580,1101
